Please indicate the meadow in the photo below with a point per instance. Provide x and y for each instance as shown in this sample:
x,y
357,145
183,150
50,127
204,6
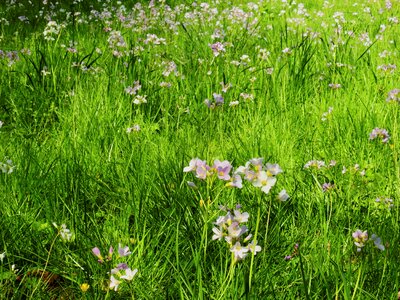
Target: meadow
x,y
199,150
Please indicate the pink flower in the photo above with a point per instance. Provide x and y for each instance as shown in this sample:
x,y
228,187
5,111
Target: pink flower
x,y
223,169
123,251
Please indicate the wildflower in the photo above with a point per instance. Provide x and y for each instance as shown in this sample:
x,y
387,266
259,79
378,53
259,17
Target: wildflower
x,y
96,252
202,170
193,164
114,283
388,68
287,51
325,115
288,257
235,231
110,253
360,238
273,169
327,186
123,251
223,169
381,134
7,167
134,128
133,90
225,87
247,97
2,256
165,84
264,181
385,201
65,233
1,124
335,86
235,182
240,217
170,67
332,163
239,251
253,247
377,241
129,274
217,48
317,164
154,39
218,234
219,100
51,29
283,196
140,100
393,96
84,287
233,103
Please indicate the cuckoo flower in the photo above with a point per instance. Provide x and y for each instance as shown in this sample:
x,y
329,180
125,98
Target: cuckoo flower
x,y
223,169
264,182
380,133
360,238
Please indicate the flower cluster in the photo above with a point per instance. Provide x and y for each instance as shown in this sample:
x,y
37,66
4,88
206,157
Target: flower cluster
x,y
7,167
134,128
254,171
260,175
379,133
65,234
327,186
11,57
354,170
217,48
52,29
230,228
218,100
394,96
121,273
133,90
326,114
221,169
319,164
385,202
361,238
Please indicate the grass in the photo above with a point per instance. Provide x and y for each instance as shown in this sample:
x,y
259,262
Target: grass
x,y
65,109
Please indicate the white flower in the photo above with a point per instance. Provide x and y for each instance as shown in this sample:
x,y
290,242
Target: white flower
x,y
65,233
283,196
241,217
129,274
2,256
218,234
253,247
239,251
140,99
264,181
114,283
